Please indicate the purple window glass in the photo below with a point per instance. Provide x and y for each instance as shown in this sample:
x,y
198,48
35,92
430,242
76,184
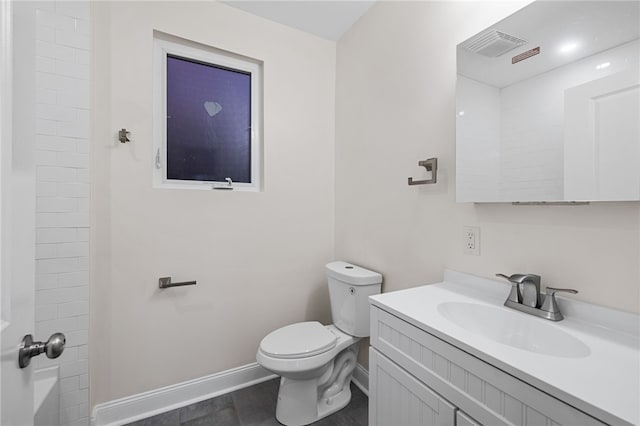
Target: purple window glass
x,y
208,121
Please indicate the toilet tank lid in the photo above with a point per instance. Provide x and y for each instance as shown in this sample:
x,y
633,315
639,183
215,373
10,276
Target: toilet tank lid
x,y
352,274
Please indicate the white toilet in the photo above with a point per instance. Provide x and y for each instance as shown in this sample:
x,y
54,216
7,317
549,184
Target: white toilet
x,y
316,362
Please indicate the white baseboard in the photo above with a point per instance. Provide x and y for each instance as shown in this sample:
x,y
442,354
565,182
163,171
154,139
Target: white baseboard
x,y
361,378
147,404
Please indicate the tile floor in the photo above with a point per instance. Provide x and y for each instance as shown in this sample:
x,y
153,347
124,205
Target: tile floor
x,y
253,406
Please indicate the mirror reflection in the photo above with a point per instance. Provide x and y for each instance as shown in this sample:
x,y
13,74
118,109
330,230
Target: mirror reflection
x,y
548,105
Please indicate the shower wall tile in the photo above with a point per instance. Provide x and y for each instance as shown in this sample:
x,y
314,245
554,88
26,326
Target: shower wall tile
x,y
62,219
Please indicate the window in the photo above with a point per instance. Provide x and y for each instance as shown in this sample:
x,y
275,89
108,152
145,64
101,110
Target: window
x,y
207,112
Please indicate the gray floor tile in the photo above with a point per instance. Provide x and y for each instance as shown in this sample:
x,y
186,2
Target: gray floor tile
x,y
165,419
221,408
254,406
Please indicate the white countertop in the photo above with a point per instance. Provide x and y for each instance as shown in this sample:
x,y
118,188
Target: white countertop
x,y
604,383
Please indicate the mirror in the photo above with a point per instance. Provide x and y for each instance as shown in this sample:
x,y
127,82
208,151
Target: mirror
x,y
548,105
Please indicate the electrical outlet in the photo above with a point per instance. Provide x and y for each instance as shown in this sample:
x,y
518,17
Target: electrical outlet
x,y
471,240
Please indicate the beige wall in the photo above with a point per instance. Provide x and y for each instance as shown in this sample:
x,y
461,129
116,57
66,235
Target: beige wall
x,y
395,103
258,257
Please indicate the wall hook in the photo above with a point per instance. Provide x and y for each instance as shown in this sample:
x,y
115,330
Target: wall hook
x,y
123,136
431,164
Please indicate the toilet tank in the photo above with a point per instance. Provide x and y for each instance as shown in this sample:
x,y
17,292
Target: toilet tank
x,y
349,289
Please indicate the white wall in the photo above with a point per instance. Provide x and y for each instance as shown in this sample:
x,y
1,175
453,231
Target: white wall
x,y
395,105
258,258
62,204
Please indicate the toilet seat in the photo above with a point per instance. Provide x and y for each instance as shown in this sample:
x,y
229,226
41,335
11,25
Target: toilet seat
x,y
303,339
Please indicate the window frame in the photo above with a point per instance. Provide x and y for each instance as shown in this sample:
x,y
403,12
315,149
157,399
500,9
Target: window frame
x,y
207,55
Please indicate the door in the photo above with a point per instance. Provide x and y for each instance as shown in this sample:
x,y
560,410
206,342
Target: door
x,y
17,208
602,138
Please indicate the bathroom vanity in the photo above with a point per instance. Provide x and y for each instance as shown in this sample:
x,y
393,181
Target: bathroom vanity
x,y
452,354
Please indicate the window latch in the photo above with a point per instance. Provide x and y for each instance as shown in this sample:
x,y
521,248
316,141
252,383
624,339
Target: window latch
x,y
229,185
158,164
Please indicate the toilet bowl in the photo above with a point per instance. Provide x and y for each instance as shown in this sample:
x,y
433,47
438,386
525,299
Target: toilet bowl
x,y
315,361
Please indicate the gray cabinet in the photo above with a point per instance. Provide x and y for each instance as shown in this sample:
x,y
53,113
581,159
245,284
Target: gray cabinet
x,y
485,394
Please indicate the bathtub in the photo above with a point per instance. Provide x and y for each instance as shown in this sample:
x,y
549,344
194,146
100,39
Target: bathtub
x,y
46,397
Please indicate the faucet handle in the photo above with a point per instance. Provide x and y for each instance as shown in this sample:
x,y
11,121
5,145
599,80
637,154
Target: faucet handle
x,y
550,304
514,295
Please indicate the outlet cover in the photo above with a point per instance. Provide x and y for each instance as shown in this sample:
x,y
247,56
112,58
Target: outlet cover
x,y
471,240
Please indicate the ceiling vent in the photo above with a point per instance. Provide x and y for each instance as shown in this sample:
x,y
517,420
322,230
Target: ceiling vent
x,y
492,43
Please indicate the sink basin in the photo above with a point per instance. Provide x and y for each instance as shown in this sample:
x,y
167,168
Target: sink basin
x,y
514,329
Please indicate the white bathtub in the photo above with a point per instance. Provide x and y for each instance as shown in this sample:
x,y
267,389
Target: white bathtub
x,y
46,397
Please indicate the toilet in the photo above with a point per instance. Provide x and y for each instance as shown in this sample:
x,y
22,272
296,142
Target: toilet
x,y
315,361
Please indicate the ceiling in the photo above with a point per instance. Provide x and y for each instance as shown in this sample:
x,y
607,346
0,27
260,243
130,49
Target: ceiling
x,y
586,27
324,18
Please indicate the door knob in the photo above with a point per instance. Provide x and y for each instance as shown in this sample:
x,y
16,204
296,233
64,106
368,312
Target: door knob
x,y
53,348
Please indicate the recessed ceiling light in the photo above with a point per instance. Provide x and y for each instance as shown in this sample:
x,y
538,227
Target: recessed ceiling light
x,y
603,65
461,113
568,47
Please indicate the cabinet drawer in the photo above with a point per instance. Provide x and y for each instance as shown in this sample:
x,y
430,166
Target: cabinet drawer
x,y
398,399
486,393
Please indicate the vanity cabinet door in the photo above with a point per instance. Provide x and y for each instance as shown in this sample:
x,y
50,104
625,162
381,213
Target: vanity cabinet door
x,y
486,393
397,398
463,420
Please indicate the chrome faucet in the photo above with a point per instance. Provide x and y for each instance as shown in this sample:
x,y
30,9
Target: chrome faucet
x,y
525,296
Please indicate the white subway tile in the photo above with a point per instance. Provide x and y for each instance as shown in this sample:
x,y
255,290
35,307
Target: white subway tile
x,y
55,174
46,127
54,20
52,50
73,279
58,204
55,143
83,380
46,251
69,414
45,158
50,266
56,235
55,112
69,384
77,97
83,26
46,281
73,309
84,421
73,398
83,352
72,38
77,338
61,295
72,159
75,249
82,234
46,189
46,96
46,313
45,65
82,175
78,128
82,147
83,263
74,190
83,57
62,220
75,9
83,204
72,69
